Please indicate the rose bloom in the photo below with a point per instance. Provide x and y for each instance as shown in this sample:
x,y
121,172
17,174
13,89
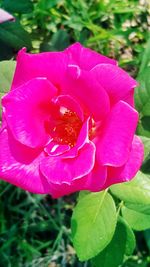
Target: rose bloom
x,y
69,123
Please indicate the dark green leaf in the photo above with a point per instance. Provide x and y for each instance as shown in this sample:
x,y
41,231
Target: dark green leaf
x,y
142,94
146,142
15,6
13,34
146,164
147,237
113,254
144,126
59,41
146,58
130,238
122,243
6,52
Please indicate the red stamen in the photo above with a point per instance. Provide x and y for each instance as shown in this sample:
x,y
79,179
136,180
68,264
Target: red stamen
x,y
67,128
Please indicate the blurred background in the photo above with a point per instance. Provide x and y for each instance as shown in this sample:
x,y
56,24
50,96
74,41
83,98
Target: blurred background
x,y
118,29
34,229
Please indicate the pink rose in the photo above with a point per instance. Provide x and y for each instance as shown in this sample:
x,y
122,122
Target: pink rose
x,y
69,123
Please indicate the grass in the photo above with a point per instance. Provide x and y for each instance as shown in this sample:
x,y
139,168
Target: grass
x,y
35,231
116,28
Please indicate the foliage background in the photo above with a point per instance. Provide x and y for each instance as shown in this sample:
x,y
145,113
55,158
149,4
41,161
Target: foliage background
x,y
35,230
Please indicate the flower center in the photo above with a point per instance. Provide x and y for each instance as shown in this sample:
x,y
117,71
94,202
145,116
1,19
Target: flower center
x,y
66,128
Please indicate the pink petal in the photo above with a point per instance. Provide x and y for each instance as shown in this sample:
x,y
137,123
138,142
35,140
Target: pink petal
x,y
71,104
86,58
129,170
96,179
92,182
81,85
58,170
19,165
53,149
3,123
5,16
60,190
115,139
26,109
118,84
129,98
51,65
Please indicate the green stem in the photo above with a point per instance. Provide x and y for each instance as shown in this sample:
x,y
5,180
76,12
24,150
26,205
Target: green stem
x,y
120,207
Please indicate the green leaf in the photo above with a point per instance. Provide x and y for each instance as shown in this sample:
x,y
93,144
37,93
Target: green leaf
x,y
7,69
6,52
136,192
142,94
144,126
139,208
146,142
130,238
146,58
15,6
122,243
83,194
59,41
147,237
93,224
113,254
146,164
13,34
138,221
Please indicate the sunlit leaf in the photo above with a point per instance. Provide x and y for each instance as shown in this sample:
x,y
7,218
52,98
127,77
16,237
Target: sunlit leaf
x,y
93,224
136,191
6,74
138,221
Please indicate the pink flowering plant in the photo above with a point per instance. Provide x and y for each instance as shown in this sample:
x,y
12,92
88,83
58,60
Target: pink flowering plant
x,y
68,125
